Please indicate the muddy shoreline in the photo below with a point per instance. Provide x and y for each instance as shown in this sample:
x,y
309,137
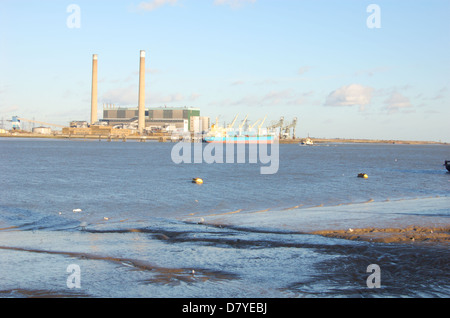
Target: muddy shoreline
x,y
410,234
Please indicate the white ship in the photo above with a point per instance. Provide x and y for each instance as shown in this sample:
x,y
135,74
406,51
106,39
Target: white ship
x,y
308,142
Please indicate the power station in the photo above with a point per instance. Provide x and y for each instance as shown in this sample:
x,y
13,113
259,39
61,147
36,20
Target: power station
x,y
136,120
141,121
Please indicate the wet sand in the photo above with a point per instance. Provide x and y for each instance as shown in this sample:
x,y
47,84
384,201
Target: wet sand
x,y
419,221
210,261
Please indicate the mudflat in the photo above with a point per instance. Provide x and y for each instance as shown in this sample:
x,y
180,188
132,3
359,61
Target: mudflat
x,y
408,234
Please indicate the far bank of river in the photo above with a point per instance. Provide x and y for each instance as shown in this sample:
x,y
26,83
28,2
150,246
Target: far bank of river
x,y
167,139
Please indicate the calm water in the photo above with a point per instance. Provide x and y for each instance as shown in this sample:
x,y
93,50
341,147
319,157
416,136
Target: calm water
x,y
134,236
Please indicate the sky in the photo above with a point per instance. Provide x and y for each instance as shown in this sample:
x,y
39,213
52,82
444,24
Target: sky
x,y
346,69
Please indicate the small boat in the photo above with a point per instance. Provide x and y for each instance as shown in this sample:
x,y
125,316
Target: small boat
x,y
308,141
447,164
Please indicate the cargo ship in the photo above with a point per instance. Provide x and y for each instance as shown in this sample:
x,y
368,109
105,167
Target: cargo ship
x,y
240,139
244,134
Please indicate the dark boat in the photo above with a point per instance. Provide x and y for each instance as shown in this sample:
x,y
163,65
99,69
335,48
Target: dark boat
x,y
447,164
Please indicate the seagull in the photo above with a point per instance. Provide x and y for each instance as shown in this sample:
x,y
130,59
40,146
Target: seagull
x,y
76,210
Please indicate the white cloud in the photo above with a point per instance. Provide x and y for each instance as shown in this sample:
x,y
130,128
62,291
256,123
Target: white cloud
x,y
440,95
174,99
372,71
9,109
351,95
155,4
128,97
237,83
397,101
233,3
272,98
303,70
121,96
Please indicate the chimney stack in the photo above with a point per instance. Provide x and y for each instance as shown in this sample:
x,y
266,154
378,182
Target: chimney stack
x,y
94,90
141,103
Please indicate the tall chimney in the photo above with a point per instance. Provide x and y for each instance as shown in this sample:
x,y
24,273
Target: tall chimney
x,y
94,90
141,103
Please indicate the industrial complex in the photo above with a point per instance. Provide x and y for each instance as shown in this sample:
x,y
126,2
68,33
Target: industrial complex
x,y
139,121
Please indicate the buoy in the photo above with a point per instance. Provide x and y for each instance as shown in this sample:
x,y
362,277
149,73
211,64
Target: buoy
x,y
363,175
197,180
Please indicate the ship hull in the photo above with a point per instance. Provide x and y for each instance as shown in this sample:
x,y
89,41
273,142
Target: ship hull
x,y
240,140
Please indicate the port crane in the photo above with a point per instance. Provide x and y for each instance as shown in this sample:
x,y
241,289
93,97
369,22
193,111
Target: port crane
x,y
260,125
276,125
287,129
243,123
250,127
16,122
40,122
232,123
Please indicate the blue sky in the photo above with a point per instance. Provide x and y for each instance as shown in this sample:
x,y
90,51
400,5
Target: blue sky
x,y
313,59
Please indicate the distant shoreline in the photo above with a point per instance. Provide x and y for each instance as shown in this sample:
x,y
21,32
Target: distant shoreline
x,y
282,141
374,141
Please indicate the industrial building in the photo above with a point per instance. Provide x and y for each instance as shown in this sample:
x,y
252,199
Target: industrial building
x,y
97,130
160,118
200,124
42,130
